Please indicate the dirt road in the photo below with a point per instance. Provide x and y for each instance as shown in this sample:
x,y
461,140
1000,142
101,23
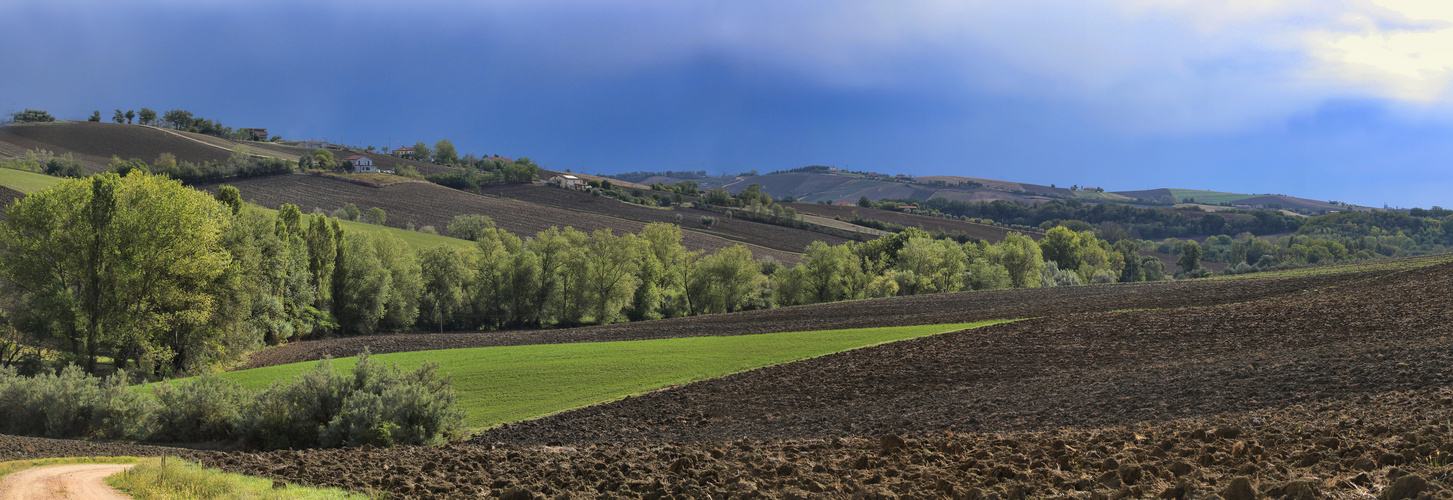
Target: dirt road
x,y
79,481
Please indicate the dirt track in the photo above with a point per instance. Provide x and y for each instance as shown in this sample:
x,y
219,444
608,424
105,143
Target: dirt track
x,y
56,482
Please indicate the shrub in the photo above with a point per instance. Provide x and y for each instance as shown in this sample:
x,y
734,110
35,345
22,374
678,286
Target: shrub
x,y
1102,277
205,409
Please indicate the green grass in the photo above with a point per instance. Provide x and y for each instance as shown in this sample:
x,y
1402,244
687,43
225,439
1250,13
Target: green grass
x,y
1351,267
179,479
1210,197
13,466
506,384
26,182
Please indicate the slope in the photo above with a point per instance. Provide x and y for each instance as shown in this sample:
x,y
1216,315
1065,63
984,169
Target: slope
x,y
425,204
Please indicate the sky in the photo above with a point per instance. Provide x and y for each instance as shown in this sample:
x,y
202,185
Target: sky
x,y
1345,100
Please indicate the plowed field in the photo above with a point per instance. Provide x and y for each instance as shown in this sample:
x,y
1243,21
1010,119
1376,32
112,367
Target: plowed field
x,y
900,311
97,142
746,231
424,204
987,232
1317,387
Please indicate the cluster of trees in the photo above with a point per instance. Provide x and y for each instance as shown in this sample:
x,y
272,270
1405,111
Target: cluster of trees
x,y
1153,222
239,164
31,115
637,177
40,160
488,172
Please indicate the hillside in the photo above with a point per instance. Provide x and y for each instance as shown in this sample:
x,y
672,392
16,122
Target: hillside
x,y
848,186
425,204
95,143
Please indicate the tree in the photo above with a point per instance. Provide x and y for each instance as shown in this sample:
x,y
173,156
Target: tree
x,y
446,274
111,261
231,197
469,227
865,202
119,117
323,159
444,153
95,116
1190,256
1022,258
376,216
610,279
178,119
147,116
421,151
129,115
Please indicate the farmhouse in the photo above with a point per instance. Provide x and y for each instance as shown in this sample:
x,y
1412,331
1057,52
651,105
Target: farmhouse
x,y
256,134
404,152
361,164
568,181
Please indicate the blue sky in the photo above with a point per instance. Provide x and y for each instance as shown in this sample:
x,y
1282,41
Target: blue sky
x,y
1325,99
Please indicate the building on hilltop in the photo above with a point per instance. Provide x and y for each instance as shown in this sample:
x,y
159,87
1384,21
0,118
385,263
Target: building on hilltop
x,y
256,134
568,181
362,165
404,152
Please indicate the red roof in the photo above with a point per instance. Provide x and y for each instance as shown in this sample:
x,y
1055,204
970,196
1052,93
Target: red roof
x,y
410,148
354,157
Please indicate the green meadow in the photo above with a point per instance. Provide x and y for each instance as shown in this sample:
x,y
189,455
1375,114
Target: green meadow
x,y
506,384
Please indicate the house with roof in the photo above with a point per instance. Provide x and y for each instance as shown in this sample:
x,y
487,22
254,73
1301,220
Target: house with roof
x,y
568,181
404,152
256,134
362,164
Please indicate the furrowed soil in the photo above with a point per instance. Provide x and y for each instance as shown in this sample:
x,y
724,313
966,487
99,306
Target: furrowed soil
x,y
1330,389
427,204
964,307
987,232
746,231
95,143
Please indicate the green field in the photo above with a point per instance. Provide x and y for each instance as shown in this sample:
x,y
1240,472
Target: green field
x,y
1209,197
1398,264
29,182
506,384
26,182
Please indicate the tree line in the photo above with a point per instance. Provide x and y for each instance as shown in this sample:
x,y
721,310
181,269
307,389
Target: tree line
x,y
162,278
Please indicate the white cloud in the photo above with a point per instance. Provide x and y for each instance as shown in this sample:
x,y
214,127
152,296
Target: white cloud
x,y
1397,49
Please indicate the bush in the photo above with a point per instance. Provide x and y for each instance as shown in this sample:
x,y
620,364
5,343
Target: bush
x,y
32,115
205,409
1102,277
375,404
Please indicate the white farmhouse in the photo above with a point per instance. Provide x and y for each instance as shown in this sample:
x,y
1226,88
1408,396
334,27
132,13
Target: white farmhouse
x,y
361,164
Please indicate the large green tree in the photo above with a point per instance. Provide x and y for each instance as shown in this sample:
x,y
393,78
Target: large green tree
x,y
444,153
112,261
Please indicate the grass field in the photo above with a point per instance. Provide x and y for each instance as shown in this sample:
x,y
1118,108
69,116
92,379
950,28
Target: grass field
x,y
179,479
1371,265
506,384
26,182
1212,197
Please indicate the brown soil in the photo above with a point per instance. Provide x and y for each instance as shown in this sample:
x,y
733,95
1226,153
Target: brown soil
x,y
30,448
993,234
900,311
426,204
1334,386
95,143
1306,388
756,233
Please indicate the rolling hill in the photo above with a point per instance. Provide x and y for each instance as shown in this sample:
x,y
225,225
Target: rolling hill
x,y
840,186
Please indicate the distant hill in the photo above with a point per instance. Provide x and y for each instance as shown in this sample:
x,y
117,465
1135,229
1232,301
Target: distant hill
x,y
819,184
